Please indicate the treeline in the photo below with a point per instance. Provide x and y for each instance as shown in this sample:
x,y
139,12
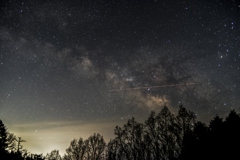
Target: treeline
x,y
163,136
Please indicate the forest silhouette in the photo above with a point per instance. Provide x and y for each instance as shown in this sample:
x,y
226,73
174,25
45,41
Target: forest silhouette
x,y
163,136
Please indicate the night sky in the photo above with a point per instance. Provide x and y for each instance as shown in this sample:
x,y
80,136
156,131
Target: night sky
x,y
72,68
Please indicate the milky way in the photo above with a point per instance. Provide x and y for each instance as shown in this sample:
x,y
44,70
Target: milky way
x,y
60,60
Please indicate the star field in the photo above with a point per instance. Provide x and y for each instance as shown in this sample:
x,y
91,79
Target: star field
x,y
59,61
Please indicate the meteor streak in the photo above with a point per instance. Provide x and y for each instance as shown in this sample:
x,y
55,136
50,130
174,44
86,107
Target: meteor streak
x,y
149,87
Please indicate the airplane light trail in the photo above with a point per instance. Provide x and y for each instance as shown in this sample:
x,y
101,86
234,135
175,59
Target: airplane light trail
x,y
149,87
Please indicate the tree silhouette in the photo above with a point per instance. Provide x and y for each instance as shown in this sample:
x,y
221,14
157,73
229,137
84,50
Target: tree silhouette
x,y
231,134
113,150
186,120
53,155
151,137
216,125
217,141
37,157
19,145
95,147
76,151
163,136
163,131
26,155
11,141
201,135
91,149
129,142
3,138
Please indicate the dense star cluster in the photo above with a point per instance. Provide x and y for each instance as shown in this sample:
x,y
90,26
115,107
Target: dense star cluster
x,y
77,67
